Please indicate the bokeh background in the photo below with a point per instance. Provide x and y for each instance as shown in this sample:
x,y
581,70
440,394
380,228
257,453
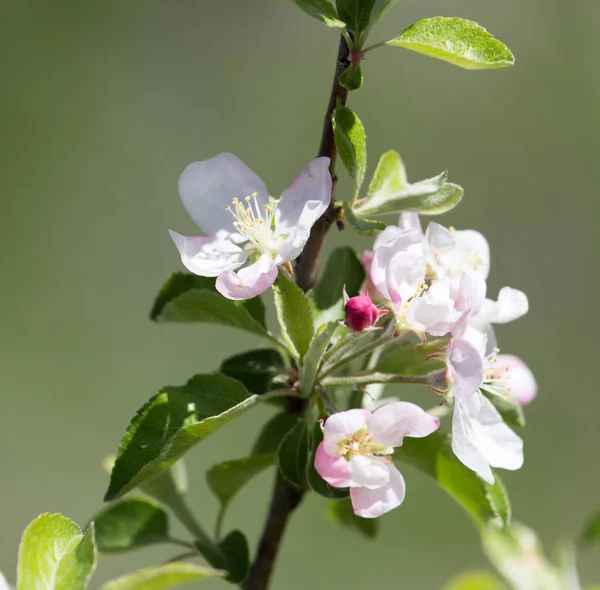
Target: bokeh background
x,y
103,105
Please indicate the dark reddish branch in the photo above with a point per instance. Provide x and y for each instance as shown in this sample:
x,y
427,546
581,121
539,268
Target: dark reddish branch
x,y
287,496
307,264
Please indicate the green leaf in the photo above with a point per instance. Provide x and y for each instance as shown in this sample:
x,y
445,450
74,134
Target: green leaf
x,y
294,315
273,432
389,178
352,78
511,411
343,268
350,140
190,298
428,197
314,356
292,456
341,513
408,358
591,532
227,478
315,481
234,548
255,369
361,15
475,581
365,227
162,577
171,423
458,41
130,524
321,10
55,555
433,455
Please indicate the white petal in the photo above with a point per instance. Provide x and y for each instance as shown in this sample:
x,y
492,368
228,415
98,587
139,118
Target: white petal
x,y
465,368
439,239
391,423
464,449
410,221
3,583
373,503
474,250
207,187
341,425
207,256
434,311
368,473
249,281
511,305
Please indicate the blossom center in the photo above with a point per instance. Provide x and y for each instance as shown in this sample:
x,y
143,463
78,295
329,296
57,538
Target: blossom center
x,y
254,224
360,443
495,378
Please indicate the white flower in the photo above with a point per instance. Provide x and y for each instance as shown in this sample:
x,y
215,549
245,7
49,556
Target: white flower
x,y
248,235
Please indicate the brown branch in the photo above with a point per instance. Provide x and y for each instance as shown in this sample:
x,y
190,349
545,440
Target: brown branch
x,y
286,496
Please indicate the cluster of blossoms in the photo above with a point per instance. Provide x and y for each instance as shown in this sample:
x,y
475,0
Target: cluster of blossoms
x,y
429,283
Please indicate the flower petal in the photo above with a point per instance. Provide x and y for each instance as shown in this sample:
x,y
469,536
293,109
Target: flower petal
x,y
373,503
342,424
521,382
207,256
434,311
410,221
511,305
440,240
334,470
207,187
249,281
465,368
368,473
391,423
473,249
303,203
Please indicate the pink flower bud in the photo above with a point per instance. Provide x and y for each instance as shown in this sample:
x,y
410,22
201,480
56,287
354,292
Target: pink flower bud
x,y
361,312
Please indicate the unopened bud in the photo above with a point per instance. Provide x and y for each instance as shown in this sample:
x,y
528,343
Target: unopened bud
x,y
361,313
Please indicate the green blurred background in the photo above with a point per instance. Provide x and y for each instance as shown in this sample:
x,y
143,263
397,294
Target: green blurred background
x,y
105,103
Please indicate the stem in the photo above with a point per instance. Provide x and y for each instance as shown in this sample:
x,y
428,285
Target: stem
x,y
185,516
357,397
308,263
373,378
286,497
182,556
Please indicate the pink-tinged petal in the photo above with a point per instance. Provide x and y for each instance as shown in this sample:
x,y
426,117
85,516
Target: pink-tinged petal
x,y
440,240
207,187
334,470
341,425
373,503
521,382
465,368
367,472
471,293
206,256
249,281
391,423
410,221
511,305
464,448
473,249
434,311
390,233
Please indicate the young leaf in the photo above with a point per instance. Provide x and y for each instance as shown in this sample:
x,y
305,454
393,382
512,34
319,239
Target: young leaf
x,y
292,456
55,555
162,577
389,178
458,41
190,298
314,356
350,140
130,524
234,548
475,581
365,227
273,432
408,358
433,455
294,315
352,78
361,15
171,423
321,10
255,369
342,514
428,197
591,532
511,412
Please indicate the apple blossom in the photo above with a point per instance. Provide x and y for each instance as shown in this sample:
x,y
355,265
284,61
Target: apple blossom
x,y
357,449
361,312
522,384
480,438
247,234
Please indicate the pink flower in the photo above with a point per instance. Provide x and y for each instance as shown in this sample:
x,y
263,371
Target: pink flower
x,y
522,387
357,449
248,235
361,312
